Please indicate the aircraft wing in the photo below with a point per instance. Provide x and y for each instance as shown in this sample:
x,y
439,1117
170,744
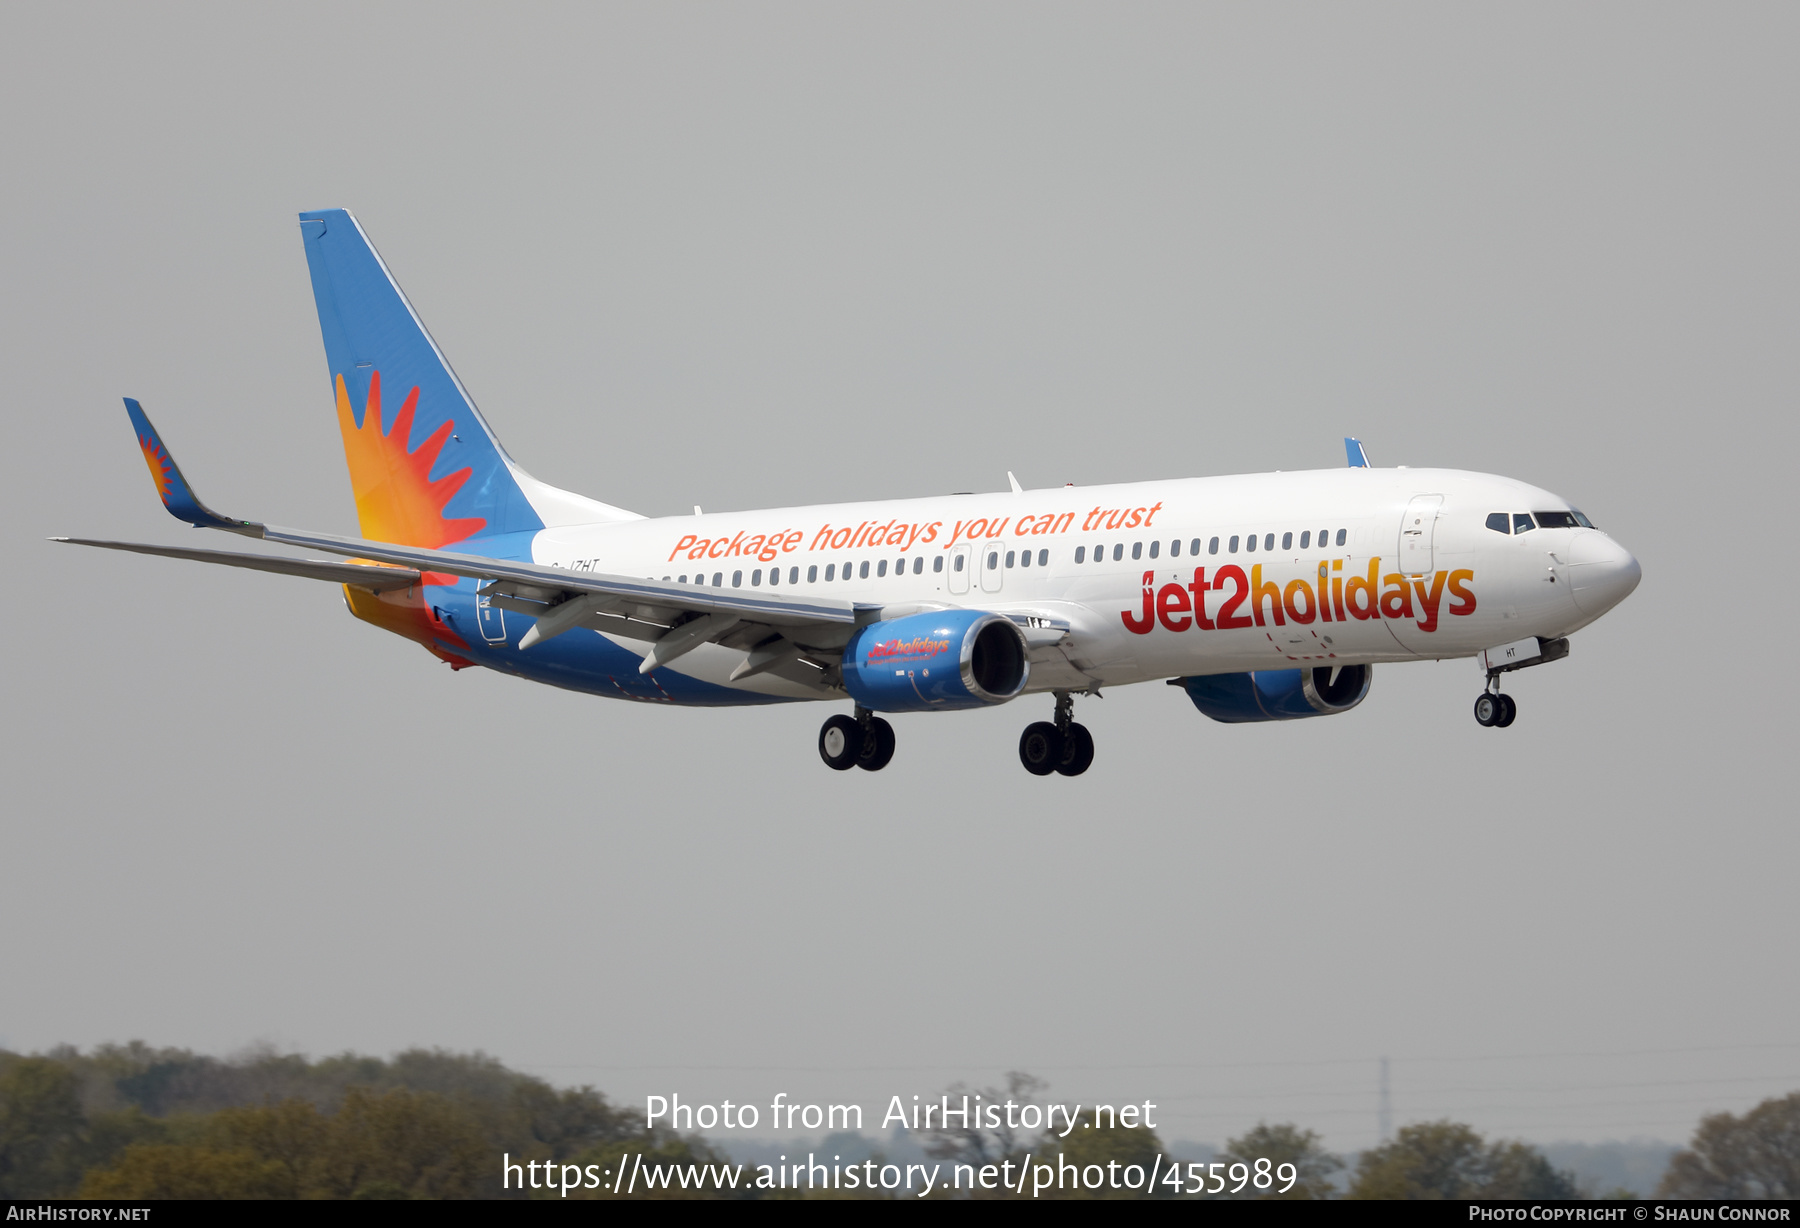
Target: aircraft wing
x,y
541,582
795,637
362,575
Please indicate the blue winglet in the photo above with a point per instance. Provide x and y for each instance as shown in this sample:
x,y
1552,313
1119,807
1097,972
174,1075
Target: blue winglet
x,y
1354,450
173,489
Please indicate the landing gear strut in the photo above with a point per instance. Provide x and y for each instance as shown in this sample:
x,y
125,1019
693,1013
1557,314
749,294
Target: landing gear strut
x,y
1494,710
863,740
1063,747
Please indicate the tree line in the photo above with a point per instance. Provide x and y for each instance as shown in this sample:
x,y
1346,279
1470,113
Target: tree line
x,y
136,1122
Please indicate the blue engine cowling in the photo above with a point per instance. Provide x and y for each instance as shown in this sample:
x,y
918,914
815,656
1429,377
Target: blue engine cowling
x,y
1278,694
936,661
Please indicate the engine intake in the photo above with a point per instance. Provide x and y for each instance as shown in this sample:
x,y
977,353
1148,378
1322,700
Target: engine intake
x,y
1279,694
936,661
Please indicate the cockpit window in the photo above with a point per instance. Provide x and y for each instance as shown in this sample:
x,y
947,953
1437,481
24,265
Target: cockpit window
x,y
1557,520
1499,522
1583,521
1522,522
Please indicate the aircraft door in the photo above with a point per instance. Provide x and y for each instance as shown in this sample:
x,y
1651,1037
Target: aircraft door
x,y
491,619
993,565
959,569
1417,528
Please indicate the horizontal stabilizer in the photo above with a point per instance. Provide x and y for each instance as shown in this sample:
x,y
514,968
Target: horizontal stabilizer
x,y
171,487
362,575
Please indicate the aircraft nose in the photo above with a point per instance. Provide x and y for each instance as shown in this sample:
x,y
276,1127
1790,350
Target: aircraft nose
x,y
1602,573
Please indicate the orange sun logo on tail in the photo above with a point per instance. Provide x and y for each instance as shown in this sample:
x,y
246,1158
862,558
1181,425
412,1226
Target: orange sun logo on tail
x,y
159,463
396,500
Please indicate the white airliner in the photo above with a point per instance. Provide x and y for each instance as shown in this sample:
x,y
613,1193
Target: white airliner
x,y
1265,596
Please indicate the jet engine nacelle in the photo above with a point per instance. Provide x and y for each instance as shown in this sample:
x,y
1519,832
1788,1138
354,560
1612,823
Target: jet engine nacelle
x,y
1279,694
936,661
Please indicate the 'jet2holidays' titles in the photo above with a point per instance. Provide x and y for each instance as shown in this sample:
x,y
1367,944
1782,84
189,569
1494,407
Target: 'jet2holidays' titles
x,y
1182,607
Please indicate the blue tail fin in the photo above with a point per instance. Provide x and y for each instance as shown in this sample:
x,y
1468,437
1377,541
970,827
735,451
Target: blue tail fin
x,y
424,466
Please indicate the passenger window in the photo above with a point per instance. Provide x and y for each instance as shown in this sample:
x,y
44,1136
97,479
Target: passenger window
x,y
1044,558
959,562
1025,558
830,572
1081,554
1155,549
718,579
793,575
1287,541
683,580
1250,542
1010,554
1340,537
1118,552
863,572
774,575
1212,547
1268,541
1194,546
756,578
919,565
880,568
812,574
1499,522
1234,544
937,564
1522,522
737,579
1306,539
1324,537
1175,549
993,559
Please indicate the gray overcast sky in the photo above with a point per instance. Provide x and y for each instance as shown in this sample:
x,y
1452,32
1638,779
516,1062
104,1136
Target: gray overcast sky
x,y
754,255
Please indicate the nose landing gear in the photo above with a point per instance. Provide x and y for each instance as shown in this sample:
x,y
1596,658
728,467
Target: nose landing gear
x,y
1063,747
864,740
1494,710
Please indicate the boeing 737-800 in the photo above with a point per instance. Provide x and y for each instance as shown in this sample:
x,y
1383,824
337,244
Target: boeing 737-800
x,y
1265,596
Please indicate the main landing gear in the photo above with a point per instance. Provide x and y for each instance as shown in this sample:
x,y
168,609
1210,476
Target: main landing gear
x,y
1062,747
864,740
1494,710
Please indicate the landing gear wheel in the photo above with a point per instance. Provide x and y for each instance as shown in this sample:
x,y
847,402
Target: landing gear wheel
x,y
1508,710
1078,751
840,743
877,745
1040,748
1488,710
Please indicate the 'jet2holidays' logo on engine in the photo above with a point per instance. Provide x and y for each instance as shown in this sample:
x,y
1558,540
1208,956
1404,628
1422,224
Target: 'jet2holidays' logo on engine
x,y
915,648
1179,607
